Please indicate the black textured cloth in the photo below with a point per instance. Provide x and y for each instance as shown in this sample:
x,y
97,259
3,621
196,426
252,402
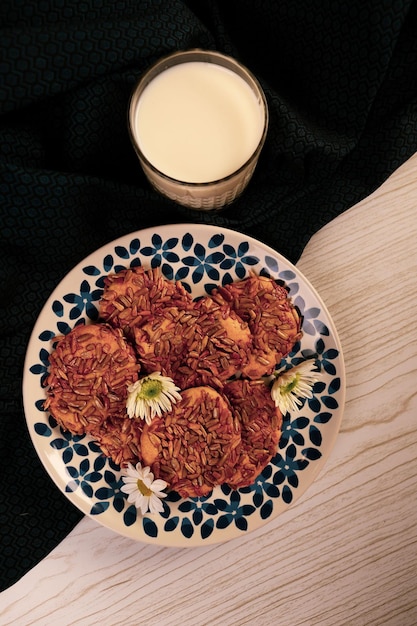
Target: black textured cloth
x,y
341,83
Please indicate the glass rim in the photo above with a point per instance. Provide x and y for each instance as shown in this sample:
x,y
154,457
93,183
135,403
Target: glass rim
x,y
183,56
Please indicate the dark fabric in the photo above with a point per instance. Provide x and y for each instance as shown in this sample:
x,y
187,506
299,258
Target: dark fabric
x,y
340,80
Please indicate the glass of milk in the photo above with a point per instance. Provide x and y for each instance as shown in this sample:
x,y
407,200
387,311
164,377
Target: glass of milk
x,y
198,120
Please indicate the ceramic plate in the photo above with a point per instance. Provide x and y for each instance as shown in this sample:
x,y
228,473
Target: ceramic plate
x,y
200,256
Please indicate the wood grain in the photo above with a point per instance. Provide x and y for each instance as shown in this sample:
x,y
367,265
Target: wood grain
x,y
346,552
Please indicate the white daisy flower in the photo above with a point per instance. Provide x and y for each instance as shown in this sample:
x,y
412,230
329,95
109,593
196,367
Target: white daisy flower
x,y
152,395
143,491
294,384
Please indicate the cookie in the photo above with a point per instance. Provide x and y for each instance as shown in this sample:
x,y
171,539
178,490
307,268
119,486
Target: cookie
x,y
193,448
89,372
131,296
274,322
260,422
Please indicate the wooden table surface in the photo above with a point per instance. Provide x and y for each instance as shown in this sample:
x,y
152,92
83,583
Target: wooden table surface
x,y
346,551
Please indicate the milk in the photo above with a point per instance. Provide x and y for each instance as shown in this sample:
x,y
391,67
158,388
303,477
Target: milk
x,y
198,122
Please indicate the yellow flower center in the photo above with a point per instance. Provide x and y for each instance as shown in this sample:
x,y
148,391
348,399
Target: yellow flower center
x,y
290,386
145,491
150,389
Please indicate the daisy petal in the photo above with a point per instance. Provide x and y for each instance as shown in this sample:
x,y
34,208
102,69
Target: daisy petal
x,y
142,490
294,385
151,396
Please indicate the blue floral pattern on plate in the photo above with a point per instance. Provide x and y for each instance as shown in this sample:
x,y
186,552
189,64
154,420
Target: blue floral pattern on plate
x,y
201,257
